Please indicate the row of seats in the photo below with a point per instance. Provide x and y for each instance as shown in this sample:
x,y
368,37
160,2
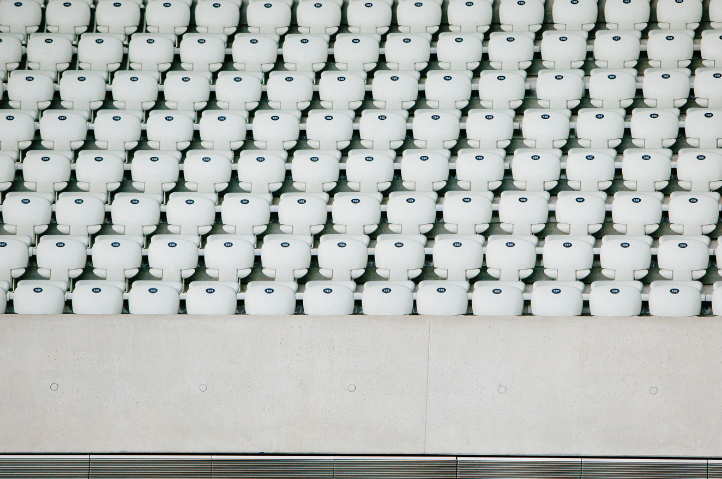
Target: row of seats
x,y
64,130
237,93
204,53
520,213
367,171
606,298
324,16
343,258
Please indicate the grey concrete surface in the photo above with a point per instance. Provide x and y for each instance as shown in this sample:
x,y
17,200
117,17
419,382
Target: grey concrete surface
x,y
389,385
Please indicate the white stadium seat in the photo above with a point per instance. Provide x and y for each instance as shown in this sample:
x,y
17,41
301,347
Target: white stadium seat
x,y
238,91
81,91
342,259
301,214
314,171
116,259
245,214
327,299
457,51
20,16
150,52
556,300
666,88
521,15
37,297
693,213
307,53
671,298
30,90
135,215
172,259
342,90
369,172
285,258
189,214
679,14
268,16
60,259
480,170
575,14
13,260
153,298
646,170
466,213
418,16
263,172
66,16
707,90
167,16
545,128
563,50
117,16
469,16
206,172
355,214
627,14
625,258
612,88
217,16
208,298
703,128
97,298
684,259
567,259
329,130
699,171
412,213
134,91
46,171
523,213
589,170
489,128
79,214
502,89
276,130
654,128
613,49
117,130
222,130
254,53
382,130
227,258
511,51
395,90
600,129
407,52
399,259
670,49
318,16
637,213
447,90
535,170
457,259
100,52
502,299
199,52
265,299
368,16
510,258
441,299
615,298
355,52
380,299
559,88
26,215
580,213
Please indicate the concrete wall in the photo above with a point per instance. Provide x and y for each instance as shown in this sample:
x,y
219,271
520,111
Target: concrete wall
x,y
388,385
